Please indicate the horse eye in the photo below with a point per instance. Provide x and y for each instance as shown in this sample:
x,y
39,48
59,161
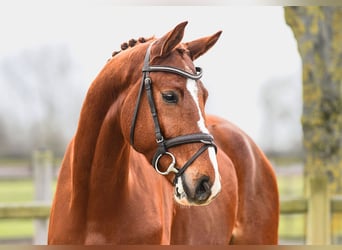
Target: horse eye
x,y
170,97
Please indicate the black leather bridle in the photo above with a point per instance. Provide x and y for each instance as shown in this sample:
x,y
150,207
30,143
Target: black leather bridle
x,y
164,144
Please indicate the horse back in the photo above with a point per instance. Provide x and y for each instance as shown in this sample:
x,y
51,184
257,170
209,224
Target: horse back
x,y
258,199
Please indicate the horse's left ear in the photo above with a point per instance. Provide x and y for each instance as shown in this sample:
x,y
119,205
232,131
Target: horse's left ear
x,y
200,46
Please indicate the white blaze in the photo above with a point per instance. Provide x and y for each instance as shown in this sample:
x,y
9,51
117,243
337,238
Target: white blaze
x,y
192,87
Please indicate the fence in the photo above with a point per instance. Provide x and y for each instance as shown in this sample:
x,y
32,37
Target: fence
x,y
42,164
318,206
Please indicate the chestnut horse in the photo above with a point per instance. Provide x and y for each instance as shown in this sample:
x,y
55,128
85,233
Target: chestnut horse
x,y
148,166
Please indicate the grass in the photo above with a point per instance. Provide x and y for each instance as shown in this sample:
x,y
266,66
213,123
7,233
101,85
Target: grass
x,y
23,191
16,228
13,161
16,191
291,226
291,186
294,226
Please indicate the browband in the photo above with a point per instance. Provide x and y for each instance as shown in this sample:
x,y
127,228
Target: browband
x,y
174,70
164,144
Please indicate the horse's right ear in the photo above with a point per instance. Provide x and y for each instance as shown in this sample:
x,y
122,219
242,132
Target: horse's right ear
x,y
164,45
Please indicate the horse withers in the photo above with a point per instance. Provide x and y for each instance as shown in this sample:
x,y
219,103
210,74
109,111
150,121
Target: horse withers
x,y
147,165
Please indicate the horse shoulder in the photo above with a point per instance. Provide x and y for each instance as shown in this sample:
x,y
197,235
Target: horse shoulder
x,y
62,217
258,206
148,206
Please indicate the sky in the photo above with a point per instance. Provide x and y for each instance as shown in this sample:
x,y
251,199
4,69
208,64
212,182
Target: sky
x,y
256,45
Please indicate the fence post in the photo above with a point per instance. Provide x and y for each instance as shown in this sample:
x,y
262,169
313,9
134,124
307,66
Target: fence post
x,y
43,175
319,216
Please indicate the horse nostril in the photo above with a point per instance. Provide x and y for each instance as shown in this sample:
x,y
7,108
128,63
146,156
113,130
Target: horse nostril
x,y
203,190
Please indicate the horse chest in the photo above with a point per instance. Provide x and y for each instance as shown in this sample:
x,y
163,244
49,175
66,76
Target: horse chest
x,y
133,224
211,224
148,213
202,225
142,216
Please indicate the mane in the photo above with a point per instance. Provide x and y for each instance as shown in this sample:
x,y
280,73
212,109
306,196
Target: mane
x,y
131,43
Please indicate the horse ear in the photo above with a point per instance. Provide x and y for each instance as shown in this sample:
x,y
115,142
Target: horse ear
x,y
200,46
170,40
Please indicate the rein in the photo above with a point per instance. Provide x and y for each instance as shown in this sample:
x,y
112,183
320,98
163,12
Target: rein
x,y
164,144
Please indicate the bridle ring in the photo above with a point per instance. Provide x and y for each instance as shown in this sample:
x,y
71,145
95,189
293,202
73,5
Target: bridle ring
x,y
163,143
171,167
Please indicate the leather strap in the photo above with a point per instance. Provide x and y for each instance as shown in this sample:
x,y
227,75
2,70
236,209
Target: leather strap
x,y
164,145
174,70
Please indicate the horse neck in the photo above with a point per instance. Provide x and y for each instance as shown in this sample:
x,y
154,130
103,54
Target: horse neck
x,y
100,152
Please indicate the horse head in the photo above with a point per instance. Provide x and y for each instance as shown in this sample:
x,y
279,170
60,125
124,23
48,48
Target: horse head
x,y
163,117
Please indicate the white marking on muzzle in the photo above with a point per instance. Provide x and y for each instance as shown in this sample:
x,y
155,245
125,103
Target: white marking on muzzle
x,y
180,194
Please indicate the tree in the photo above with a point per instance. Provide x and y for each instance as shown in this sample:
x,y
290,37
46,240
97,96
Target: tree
x,y
318,31
40,100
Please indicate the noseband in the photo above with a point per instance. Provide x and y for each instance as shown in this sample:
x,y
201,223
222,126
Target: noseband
x,y
164,144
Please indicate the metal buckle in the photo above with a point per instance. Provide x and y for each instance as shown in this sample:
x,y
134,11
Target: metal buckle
x,y
160,140
171,167
206,142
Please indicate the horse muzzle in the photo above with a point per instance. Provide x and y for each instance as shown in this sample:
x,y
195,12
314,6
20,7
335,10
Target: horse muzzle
x,y
198,192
